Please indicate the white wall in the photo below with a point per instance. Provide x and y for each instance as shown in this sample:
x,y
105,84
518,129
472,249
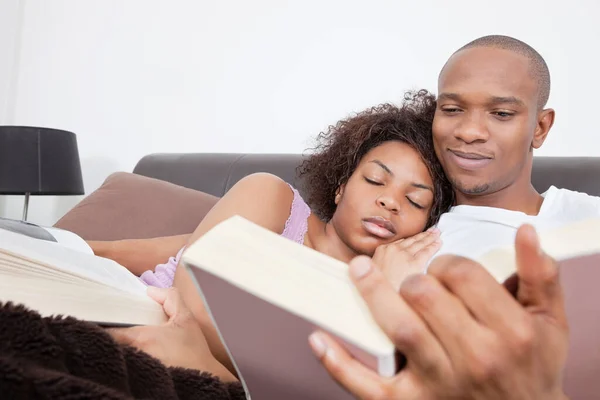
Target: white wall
x,y
9,28
10,19
140,76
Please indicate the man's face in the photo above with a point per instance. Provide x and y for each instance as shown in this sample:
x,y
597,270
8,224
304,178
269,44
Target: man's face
x,y
485,120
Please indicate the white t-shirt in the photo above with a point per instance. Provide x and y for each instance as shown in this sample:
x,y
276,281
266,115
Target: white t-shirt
x,y
471,231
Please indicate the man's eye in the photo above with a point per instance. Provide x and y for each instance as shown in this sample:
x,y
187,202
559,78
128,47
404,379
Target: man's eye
x,y
451,110
503,114
372,182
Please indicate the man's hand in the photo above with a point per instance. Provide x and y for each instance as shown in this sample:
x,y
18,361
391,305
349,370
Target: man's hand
x,y
408,256
463,334
178,343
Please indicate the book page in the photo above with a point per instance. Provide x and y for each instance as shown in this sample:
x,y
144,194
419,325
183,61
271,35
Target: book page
x,y
99,304
291,276
58,259
573,240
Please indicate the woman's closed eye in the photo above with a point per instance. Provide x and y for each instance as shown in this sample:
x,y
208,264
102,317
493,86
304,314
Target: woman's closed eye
x,y
415,204
373,182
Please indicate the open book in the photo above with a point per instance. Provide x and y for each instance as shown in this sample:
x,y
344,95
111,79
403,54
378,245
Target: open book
x,y
57,280
266,294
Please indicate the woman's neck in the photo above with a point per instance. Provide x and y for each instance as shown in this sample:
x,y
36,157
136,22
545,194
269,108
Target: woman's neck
x,y
323,238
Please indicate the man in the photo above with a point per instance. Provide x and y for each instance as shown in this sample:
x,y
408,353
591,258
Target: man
x,y
490,117
463,335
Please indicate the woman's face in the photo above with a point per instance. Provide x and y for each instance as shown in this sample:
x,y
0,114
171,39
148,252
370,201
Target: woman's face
x,y
388,197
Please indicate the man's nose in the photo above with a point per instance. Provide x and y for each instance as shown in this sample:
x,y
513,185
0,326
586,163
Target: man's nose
x,y
473,128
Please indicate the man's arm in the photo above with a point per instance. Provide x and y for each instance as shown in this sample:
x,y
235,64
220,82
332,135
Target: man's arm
x,y
463,334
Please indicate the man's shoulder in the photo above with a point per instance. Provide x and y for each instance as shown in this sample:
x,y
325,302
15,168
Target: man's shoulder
x,y
566,199
470,231
569,192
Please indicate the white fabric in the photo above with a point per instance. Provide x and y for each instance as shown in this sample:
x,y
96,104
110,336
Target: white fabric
x,y
69,239
471,231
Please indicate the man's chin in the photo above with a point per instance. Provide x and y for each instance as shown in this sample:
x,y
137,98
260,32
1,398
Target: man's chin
x,y
471,188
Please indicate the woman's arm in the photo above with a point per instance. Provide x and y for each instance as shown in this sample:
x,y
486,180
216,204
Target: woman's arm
x,y
139,255
261,198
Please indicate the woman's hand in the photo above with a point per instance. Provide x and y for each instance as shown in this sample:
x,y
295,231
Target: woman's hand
x,y
178,343
407,256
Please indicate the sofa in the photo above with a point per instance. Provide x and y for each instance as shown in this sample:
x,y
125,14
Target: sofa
x,y
169,194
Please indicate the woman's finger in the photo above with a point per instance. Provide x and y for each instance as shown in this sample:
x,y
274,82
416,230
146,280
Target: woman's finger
x,y
426,236
157,294
125,336
403,244
171,301
419,245
425,253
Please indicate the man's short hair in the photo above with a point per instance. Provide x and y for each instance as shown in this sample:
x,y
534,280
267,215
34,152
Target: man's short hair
x,y
539,69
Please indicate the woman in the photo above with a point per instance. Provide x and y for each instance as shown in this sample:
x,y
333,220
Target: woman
x,y
372,182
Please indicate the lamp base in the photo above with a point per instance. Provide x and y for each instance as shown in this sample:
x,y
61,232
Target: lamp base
x,y
25,206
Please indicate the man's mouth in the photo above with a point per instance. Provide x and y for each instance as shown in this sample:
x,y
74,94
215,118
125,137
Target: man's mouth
x,y
380,227
470,160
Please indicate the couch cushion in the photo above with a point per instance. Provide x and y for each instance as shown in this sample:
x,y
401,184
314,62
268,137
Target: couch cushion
x,y
129,206
219,171
222,171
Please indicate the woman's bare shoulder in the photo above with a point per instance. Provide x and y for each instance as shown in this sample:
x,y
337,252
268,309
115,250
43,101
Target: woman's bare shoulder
x,y
263,198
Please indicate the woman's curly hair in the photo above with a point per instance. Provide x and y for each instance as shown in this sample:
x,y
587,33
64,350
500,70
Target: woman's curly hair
x,y
339,150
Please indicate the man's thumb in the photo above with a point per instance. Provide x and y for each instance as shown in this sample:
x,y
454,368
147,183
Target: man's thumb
x,y
539,283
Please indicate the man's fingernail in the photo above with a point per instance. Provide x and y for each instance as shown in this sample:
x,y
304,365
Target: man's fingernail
x,y
330,355
318,344
535,239
360,266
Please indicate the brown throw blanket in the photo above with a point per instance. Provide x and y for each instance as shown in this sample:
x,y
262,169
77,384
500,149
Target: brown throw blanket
x,y
63,358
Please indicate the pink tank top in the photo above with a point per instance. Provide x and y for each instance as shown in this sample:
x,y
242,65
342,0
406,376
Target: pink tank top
x,y
295,229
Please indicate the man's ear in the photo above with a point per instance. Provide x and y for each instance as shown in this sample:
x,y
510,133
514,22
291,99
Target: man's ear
x,y
544,123
339,193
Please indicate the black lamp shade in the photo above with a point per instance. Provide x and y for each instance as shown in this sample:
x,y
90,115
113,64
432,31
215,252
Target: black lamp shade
x,y
39,161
